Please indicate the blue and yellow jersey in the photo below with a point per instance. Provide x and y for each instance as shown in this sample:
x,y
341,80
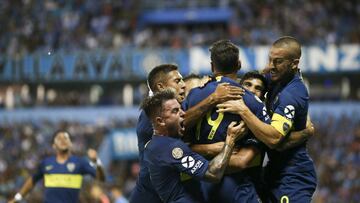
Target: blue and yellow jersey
x,y
166,159
288,106
213,127
63,181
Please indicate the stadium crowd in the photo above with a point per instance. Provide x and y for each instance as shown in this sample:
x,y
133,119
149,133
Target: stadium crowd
x,y
34,25
335,149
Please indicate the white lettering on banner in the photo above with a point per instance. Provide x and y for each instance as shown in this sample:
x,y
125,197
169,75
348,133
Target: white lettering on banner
x,y
125,143
199,60
314,58
198,165
350,58
326,58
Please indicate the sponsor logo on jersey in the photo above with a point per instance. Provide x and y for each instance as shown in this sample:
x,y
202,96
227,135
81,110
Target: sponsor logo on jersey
x,y
188,162
289,112
177,153
198,165
48,168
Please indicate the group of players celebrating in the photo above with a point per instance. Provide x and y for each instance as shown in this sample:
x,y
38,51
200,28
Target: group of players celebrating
x,y
206,141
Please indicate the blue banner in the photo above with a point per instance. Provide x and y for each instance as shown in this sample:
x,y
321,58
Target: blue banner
x,y
127,64
124,144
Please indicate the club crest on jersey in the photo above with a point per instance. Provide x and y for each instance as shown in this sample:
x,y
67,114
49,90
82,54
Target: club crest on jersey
x,y
177,153
286,127
188,162
289,112
70,167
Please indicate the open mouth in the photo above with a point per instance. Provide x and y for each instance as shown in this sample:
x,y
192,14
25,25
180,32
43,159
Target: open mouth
x,y
182,127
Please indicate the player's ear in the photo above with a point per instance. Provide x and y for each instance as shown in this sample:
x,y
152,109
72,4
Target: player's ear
x,y
160,86
239,65
295,64
159,121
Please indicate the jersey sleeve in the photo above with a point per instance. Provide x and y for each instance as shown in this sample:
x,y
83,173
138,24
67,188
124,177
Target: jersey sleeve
x,y
87,167
257,107
187,161
284,115
39,173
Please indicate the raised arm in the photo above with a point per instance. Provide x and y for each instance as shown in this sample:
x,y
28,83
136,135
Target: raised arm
x,y
100,173
223,92
218,165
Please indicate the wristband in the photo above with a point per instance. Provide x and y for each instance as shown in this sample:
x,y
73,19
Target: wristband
x,y
18,197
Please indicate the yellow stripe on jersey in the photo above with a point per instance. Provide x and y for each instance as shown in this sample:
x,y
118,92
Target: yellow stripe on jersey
x,y
218,78
281,123
73,181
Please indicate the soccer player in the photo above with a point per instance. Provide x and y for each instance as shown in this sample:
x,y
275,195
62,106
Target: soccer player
x,y
162,77
167,155
193,80
237,187
255,83
290,174
63,173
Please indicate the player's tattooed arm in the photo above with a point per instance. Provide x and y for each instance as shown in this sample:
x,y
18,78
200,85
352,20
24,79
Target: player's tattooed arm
x,y
297,137
218,165
223,92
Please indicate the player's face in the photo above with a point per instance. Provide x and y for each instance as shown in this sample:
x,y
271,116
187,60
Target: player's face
x,y
173,117
254,85
62,142
192,83
176,83
280,64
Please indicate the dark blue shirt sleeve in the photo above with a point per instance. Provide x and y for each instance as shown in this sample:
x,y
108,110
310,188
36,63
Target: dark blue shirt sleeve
x,y
39,173
87,167
187,161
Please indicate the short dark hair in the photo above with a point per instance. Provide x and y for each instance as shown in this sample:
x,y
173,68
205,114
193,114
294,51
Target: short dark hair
x,y
58,132
157,74
153,105
257,75
192,76
225,56
291,42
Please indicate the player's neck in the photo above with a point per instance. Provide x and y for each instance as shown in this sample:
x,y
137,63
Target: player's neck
x,y
232,76
62,157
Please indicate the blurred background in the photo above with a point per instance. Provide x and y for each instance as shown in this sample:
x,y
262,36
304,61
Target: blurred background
x,y
82,65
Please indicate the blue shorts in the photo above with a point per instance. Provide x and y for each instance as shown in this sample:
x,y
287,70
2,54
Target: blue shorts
x,y
230,190
292,188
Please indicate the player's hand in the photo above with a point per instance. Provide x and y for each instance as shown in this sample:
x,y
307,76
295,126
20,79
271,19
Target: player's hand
x,y
12,201
232,106
236,132
92,154
225,92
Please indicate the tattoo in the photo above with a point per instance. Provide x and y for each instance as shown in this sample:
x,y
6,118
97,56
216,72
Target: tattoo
x,y
218,165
